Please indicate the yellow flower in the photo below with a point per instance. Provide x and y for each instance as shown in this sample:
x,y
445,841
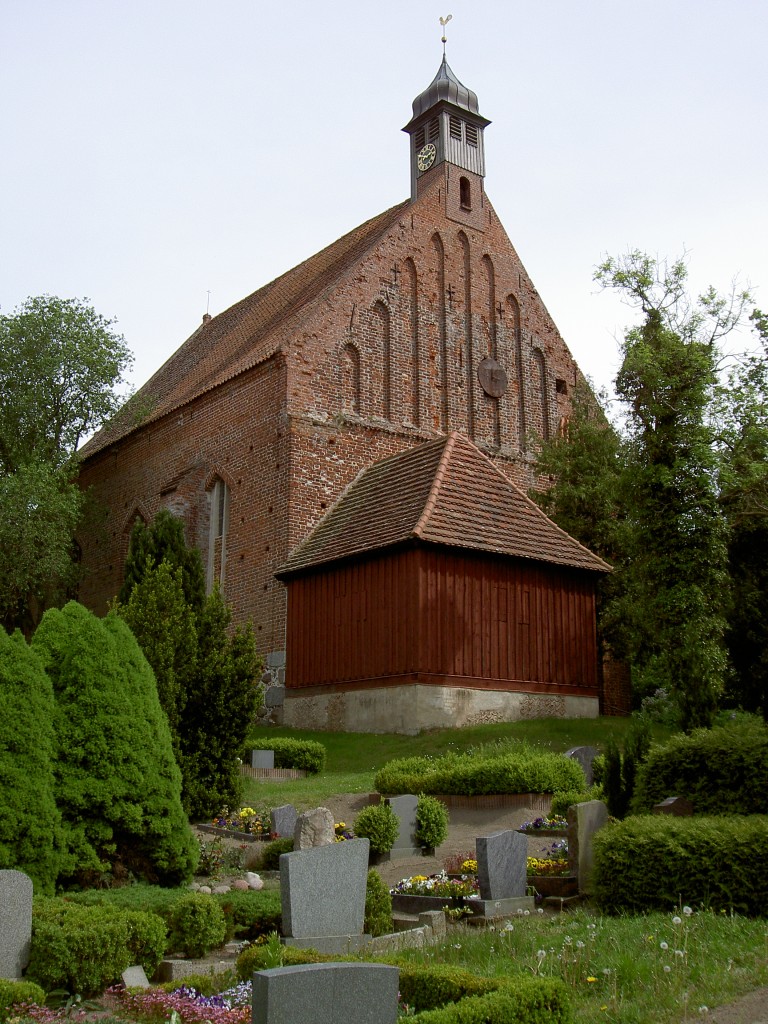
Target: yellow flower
x,y
591,979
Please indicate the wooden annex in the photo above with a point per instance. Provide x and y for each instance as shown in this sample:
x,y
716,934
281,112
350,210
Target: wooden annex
x,y
435,593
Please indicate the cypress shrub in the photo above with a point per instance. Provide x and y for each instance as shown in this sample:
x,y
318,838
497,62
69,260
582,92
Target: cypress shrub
x,y
117,783
30,824
721,771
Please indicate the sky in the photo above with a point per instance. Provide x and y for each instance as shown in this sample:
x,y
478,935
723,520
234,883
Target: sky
x,y
162,157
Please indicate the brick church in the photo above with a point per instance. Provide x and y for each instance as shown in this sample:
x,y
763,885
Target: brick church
x,y
418,326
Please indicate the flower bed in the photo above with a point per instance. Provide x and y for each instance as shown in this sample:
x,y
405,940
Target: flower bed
x,y
247,824
432,892
549,827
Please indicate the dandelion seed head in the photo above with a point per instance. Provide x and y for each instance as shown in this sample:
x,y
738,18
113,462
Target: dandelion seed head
x,y
664,945
677,920
667,968
687,911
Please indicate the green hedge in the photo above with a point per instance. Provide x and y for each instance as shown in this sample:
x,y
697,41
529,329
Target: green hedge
x,y
425,988
85,949
658,862
477,772
307,755
13,992
517,1001
563,800
721,771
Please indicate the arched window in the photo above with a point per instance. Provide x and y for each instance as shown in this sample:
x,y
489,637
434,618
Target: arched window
x,y
218,525
465,194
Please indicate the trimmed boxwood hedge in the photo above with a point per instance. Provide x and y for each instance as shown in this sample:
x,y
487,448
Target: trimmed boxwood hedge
x,y
306,755
721,771
479,772
516,1001
660,862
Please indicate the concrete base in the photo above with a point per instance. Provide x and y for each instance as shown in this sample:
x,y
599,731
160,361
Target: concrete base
x,y
329,943
490,909
410,708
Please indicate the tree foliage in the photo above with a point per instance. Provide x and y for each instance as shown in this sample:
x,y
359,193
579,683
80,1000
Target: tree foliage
x,y
30,824
163,541
60,366
116,781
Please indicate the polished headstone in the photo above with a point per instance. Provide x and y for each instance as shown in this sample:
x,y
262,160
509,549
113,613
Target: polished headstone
x,y
15,922
501,864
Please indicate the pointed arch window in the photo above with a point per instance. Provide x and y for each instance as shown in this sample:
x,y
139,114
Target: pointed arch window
x,y
218,527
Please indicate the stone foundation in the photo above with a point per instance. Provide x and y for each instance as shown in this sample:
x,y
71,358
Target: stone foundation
x,y
411,708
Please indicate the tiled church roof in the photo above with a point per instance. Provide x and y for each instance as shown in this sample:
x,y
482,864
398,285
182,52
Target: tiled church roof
x,y
442,492
242,335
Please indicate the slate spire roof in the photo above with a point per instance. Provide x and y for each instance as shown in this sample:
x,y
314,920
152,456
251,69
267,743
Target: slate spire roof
x,y
443,492
243,335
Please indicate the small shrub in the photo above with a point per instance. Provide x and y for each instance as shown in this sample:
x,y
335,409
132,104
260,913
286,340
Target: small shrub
x,y
257,957
517,1001
306,755
13,992
431,821
378,905
425,988
378,823
251,914
198,924
562,801
204,984
270,857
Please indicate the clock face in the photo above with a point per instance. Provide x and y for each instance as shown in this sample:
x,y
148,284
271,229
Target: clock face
x,y
426,157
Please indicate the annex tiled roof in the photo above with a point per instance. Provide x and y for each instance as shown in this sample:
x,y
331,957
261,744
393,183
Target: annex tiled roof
x,y
241,336
441,492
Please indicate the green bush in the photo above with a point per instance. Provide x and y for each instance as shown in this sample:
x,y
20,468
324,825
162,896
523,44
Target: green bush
x,y
204,984
86,949
431,821
721,771
657,862
13,992
518,1001
30,823
378,905
251,914
526,770
379,824
562,801
257,958
270,858
198,924
425,988
306,755
117,785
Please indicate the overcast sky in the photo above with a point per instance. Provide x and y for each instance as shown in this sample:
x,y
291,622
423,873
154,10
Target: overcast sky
x,y
156,150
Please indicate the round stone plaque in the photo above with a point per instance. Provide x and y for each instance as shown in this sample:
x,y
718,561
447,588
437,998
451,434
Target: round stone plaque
x,y
492,377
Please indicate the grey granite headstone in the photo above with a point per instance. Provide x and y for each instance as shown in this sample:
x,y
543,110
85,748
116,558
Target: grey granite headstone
x,y
15,922
135,977
585,756
282,820
583,821
262,759
502,859
326,994
322,891
676,805
314,828
405,810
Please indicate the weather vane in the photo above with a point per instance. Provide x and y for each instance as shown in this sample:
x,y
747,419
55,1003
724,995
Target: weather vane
x,y
444,21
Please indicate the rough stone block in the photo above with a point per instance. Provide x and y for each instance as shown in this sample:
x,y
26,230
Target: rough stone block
x,y
322,890
501,865
325,994
313,828
15,922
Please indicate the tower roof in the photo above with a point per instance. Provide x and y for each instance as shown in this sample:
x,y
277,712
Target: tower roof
x,y
446,88
443,492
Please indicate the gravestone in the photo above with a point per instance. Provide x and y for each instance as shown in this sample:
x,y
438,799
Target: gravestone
x,y
405,845
15,922
501,864
314,828
282,820
676,805
322,896
326,994
135,977
583,821
585,756
262,759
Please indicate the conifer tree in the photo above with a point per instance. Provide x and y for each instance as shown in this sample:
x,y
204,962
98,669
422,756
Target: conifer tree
x,y
30,824
163,541
118,787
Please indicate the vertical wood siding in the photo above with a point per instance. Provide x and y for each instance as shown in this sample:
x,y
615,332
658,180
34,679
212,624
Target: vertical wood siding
x,y
438,613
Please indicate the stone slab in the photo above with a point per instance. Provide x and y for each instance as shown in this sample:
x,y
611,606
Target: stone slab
x,y
326,994
322,889
262,759
15,922
135,977
337,944
283,820
501,864
404,808
583,821
490,909
585,756
274,696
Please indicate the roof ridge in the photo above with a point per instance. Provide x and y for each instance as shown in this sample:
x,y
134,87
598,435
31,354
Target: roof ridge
x,y
434,491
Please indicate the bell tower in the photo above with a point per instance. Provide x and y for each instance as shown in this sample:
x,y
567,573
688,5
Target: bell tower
x,y
446,131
